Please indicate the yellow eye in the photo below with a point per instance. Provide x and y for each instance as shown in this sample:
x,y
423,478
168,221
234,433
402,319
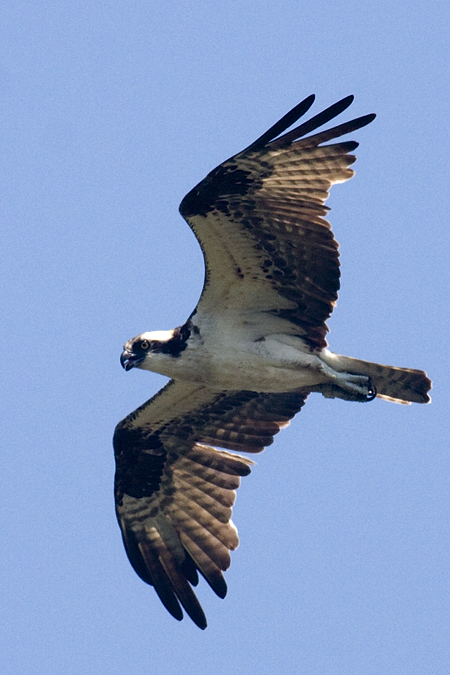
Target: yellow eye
x,y
144,344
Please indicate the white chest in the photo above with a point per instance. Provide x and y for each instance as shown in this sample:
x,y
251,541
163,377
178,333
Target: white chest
x,y
276,363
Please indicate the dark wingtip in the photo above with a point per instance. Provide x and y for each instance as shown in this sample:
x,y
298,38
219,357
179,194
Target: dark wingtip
x,y
196,614
318,120
202,624
366,119
284,123
218,585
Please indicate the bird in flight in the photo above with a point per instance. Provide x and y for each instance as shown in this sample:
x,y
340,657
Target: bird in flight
x,y
245,361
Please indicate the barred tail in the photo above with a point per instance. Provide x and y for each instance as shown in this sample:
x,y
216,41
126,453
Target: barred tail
x,y
400,385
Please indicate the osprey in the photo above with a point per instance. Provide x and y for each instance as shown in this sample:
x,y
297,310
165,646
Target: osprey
x,y
246,359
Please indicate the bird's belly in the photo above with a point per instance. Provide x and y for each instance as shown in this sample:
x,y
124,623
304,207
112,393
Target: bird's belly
x,y
264,379
277,364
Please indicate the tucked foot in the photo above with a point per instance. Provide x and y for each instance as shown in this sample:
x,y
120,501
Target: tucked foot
x,y
358,384
348,387
372,392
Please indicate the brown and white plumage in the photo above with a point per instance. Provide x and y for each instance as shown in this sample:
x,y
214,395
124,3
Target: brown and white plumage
x,y
174,493
272,195
247,358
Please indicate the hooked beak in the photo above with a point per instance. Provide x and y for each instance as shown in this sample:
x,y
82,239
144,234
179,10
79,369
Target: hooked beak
x,y
128,360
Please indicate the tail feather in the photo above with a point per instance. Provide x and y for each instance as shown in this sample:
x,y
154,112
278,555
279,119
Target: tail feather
x,y
400,385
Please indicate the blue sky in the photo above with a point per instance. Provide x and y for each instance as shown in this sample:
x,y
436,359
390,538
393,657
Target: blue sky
x,y
110,113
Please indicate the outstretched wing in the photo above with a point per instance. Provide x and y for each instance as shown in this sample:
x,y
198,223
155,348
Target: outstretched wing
x,y
174,493
259,218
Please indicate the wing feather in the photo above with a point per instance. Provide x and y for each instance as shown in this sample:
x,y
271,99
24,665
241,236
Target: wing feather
x,y
160,579
201,490
170,584
192,495
259,220
209,569
174,495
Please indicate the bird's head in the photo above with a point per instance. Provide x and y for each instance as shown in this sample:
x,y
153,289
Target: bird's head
x,y
139,352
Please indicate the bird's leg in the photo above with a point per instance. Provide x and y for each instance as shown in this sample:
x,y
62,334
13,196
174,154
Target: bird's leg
x,y
346,385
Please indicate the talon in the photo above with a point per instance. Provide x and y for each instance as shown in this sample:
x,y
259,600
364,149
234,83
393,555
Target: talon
x,y
371,393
